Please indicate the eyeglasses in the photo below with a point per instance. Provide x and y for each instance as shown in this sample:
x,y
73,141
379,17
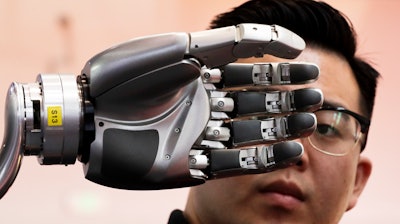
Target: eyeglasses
x,y
338,130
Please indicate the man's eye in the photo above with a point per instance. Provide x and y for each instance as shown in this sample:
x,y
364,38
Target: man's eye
x,y
326,130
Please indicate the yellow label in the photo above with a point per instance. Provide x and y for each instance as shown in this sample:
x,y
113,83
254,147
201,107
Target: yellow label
x,y
54,116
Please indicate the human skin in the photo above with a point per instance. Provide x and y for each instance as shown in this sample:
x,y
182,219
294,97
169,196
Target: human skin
x,y
319,189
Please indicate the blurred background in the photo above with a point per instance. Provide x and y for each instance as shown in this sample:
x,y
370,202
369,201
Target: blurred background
x,y
60,36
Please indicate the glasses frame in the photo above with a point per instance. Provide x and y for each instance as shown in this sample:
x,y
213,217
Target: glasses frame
x,y
363,121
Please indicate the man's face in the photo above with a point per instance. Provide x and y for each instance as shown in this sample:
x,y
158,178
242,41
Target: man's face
x,y
317,190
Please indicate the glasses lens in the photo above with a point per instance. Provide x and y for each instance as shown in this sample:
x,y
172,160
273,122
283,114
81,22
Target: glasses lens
x,y
336,133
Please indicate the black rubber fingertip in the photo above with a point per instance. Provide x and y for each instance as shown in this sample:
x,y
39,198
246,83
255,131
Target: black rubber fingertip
x,y
304,98
287,150
300,73
300,123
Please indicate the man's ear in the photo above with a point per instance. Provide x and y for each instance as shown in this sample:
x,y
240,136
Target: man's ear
x,y
363,172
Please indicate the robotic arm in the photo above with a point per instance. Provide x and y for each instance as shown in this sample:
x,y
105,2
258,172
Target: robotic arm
x,y
167,111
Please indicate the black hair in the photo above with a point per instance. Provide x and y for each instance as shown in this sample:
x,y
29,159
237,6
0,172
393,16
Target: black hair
x,y
319,24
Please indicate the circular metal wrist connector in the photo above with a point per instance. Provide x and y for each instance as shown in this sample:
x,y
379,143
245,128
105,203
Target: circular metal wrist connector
x,y
53,117
44,119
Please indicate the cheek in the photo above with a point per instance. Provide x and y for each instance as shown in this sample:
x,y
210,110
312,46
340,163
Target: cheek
x,y
231,190
334,177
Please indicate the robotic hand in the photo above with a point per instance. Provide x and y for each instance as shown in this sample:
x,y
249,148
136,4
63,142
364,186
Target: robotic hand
x,y
167,111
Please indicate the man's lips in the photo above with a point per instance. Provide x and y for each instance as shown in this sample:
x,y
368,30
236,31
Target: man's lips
x,y
283,194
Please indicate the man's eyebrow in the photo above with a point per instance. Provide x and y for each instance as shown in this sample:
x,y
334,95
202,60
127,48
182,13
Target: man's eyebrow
x,y
331,104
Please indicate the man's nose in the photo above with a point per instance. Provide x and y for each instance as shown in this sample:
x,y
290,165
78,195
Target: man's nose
x,y
303,162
